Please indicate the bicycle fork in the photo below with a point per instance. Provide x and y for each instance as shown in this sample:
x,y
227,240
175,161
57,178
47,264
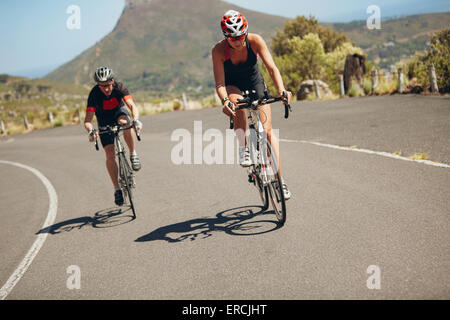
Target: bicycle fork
x,y
122,180
258,140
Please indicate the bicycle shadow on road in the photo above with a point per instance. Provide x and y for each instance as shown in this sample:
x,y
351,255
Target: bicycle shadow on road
x,y
237,221
105,218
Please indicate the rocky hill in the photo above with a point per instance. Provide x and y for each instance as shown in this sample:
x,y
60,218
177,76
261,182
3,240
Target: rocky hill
x,y
397,39
162,46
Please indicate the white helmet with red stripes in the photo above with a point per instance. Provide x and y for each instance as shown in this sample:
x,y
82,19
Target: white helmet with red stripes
x,y
233,24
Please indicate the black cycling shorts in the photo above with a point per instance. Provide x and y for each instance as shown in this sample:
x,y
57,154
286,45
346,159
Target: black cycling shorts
x,y
259,86
107,139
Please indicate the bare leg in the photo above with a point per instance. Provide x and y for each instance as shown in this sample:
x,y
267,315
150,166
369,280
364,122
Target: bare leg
x,y
111,165
240,121
265,114
127,134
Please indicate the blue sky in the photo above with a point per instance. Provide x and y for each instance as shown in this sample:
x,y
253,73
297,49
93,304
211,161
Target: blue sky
x,y
36,40
35,37
343,10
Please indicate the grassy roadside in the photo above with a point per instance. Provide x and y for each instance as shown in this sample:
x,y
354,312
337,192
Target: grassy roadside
x,y
38,116
31,104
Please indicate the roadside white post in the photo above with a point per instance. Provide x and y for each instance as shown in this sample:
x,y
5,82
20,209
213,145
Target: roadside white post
x,y
316,88
2,127
433,79
79,115
341,84
374,80
50,118
401,81
184,101
25,122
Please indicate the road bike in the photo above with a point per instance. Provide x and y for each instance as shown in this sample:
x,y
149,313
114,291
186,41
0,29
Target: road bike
x,y
264,171
126,175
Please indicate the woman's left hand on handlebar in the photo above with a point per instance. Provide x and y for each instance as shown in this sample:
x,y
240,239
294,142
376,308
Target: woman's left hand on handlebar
x,y
286,96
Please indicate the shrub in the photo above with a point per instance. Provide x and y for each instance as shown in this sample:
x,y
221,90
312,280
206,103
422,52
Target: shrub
x,y
176,105
439,55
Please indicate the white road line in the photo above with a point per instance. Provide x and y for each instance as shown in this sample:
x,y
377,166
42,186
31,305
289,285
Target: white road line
x,y
26,262
384,154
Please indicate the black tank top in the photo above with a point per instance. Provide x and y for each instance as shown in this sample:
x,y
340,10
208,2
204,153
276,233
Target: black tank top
x,y
245,75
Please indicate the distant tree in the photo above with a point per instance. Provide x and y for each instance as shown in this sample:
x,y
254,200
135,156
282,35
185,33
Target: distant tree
x,y
300,27
309,55
305,61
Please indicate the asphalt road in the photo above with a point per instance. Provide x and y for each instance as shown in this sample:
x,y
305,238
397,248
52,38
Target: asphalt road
x,y
200,232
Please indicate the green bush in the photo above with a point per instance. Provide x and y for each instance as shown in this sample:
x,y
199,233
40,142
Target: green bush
x,y
306,51
354,90
305,61
335,63
367,86
439,55
302,26
176,105
59,122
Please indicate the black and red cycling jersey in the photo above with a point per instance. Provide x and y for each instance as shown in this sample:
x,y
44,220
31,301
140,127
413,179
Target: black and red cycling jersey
x,y
106,108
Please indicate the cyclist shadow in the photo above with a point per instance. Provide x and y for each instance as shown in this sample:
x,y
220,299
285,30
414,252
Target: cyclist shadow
x,y
105,218
237,221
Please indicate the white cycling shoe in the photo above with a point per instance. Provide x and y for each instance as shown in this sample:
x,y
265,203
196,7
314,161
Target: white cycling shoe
x,y
244,157
287,193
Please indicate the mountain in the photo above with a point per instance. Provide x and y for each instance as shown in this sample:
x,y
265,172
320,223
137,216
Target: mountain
x,y
397,38
162,46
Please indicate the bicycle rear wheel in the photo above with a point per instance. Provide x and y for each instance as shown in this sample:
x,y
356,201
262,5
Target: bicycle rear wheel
x,y
275,187
126,177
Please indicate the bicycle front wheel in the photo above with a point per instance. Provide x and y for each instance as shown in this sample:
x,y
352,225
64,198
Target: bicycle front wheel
x,y
274,185
262,189
126,177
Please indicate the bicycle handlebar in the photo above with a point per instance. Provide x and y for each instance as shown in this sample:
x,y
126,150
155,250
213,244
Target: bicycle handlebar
x,y
248,103
115,129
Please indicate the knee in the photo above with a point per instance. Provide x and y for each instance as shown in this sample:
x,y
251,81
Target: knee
x,y
122,119
268,130
110,154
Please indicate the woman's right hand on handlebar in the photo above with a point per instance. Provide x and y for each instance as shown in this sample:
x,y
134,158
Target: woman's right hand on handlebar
x,y
228,108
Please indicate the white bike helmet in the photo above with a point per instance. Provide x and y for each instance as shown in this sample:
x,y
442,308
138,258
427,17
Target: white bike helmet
x,y
103,74
233,24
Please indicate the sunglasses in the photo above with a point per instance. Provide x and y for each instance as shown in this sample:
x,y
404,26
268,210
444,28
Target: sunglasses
x,y
238,38
105,85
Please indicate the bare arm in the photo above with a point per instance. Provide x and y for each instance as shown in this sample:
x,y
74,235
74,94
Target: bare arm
x,y
88,120
132,106
219,77
219,72
88,124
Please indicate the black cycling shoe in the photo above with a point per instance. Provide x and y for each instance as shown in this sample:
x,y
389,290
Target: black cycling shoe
x,y
135,162
118,197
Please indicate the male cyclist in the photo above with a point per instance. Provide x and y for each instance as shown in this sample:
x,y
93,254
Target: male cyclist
x,y
236,70
107,101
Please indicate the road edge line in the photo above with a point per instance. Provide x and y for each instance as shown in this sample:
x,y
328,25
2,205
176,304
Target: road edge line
x,y
380,153
34,250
